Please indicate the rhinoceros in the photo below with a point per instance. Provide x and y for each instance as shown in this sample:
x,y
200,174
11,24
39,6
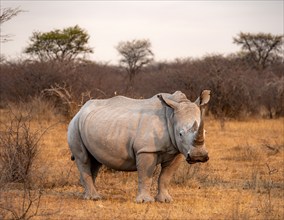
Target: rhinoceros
x,y
136,135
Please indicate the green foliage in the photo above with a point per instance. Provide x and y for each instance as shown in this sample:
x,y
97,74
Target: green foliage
x,y
263,49
60,45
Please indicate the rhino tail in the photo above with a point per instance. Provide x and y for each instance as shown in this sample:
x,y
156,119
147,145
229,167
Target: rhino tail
x,y
72,157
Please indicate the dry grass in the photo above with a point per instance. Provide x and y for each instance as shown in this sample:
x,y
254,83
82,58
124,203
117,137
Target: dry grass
x,y
244,179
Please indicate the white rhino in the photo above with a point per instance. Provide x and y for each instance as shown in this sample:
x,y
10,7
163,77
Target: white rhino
x,y
138,134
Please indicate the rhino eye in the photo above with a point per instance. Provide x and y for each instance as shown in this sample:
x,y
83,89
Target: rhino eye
x,y
181,133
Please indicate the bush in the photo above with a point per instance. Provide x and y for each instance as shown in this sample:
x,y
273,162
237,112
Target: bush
x,y
19,146
20,143
238,90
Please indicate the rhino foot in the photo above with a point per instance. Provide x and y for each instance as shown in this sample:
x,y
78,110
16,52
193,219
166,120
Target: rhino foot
x,y
92,197
163,198
144,198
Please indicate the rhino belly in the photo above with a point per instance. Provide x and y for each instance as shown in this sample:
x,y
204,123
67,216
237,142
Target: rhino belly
x,y
112,156
109,140
116,162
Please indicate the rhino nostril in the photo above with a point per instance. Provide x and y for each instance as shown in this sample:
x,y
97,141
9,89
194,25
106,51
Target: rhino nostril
x,y
201,159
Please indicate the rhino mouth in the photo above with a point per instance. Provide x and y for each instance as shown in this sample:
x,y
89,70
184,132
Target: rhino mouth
x,y
191,160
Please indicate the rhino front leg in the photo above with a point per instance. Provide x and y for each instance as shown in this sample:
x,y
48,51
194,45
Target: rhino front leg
x,y
146,163
165,177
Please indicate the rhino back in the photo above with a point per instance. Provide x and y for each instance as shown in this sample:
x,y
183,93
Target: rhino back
x,y
115,130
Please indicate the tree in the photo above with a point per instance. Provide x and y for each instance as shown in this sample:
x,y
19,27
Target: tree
x,y
273,96
135,54
5,15
59,45
263,49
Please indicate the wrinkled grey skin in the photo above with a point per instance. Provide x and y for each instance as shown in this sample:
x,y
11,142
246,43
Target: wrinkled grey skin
x,y
128,134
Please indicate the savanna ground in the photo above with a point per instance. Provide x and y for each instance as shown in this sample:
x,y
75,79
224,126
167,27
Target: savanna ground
x,y
244,179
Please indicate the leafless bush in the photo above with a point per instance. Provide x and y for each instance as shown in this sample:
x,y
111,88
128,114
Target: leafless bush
x,y
19,147
262,182
238,90
40,109
273,96
25,207
65,100
24,79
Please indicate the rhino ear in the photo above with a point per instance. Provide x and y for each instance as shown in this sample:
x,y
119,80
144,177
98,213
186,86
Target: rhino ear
x,y
178,96
168,102
204,98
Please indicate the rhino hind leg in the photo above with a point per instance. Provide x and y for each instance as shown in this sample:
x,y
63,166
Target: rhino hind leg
x,y
87,165
88,173
95,167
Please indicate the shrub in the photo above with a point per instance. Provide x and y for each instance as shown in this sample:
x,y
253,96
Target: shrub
x,y
19,146
238,90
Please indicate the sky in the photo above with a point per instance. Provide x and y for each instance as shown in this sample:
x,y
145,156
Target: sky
x,y
176,29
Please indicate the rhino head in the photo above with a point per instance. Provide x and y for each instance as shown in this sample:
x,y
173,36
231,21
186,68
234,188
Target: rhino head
x,y
187,126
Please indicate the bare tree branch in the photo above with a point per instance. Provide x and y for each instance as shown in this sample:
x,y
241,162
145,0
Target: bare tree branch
x,y
7,14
